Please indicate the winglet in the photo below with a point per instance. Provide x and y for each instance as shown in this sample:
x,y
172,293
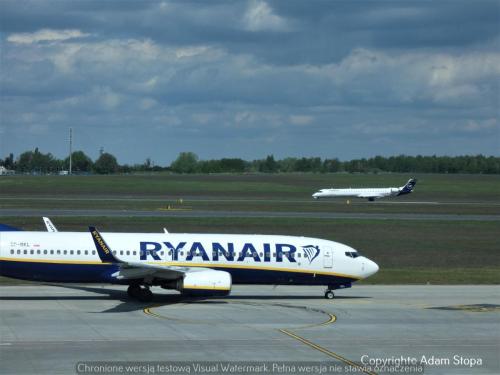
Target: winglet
x,y
50,227
102,248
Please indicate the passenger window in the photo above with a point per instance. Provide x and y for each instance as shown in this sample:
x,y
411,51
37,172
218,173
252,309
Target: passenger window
x,y
38,251
128,252
45,251
78,252
65,252
32,251
299,255
114,252
25,251
93,252
86,252
12,251
51,251
71,252
121,252
19,251
135,253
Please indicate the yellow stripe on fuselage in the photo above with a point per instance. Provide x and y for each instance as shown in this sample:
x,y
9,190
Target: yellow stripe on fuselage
x,y
188,264
251,267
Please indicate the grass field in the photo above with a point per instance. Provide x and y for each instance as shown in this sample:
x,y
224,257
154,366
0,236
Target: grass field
x,y
457,194
417,251
478,188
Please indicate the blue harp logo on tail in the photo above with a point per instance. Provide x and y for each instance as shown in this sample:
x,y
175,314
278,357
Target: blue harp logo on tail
x,y
311,252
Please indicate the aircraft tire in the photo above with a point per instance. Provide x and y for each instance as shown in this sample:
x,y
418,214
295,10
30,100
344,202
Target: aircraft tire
x,y
329,294
145,295
133,290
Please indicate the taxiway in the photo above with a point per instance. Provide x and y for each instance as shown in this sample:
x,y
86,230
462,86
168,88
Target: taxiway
x,y
48,329
21,212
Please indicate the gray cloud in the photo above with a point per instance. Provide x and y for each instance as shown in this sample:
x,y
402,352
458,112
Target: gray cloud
x,y
246,79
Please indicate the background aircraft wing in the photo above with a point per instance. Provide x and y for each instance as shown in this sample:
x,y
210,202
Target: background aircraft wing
x,y
371,195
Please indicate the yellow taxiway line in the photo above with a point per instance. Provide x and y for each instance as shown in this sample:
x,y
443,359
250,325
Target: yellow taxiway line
x,y
331,319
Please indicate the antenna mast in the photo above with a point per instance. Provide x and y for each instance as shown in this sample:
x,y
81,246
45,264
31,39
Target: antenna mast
x,y
70,150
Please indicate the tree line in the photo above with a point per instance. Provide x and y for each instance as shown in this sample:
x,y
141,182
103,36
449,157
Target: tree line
x,y
36,162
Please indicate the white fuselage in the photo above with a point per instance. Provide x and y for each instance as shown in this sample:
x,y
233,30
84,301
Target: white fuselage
x,y
368,193
360,193
250,259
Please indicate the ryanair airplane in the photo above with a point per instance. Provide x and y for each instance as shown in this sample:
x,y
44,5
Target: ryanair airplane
x,y
370,193
193,264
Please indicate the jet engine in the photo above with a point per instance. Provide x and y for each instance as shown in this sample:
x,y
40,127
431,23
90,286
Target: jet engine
x,y
205,283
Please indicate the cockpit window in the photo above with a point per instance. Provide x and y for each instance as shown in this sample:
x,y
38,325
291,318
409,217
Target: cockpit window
x,y
352,254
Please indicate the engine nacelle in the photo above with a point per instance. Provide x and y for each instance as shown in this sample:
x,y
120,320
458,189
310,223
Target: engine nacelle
x,y
205,283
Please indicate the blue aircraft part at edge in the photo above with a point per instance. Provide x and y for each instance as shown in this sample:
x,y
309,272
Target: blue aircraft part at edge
x,y
8,228
55,272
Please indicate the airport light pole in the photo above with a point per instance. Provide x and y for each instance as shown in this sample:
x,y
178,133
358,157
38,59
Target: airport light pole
x,y
70,150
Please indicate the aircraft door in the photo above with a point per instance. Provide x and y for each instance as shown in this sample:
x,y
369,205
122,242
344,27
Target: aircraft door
x,y
328,258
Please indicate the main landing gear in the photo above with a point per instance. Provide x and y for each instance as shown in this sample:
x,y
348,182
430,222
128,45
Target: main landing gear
x,y
329,294
141,293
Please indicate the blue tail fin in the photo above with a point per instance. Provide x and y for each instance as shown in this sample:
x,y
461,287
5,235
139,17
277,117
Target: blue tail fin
x,y
408,188
102,248
8,228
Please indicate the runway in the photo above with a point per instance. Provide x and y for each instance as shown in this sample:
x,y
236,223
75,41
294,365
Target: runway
x,y
229,214
50,329
212,199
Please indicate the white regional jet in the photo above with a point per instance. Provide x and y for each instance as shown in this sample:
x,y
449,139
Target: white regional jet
x,y
369,193
193,264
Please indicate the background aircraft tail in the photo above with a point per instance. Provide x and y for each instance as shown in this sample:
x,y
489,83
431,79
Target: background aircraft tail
x,y
8,228
408,188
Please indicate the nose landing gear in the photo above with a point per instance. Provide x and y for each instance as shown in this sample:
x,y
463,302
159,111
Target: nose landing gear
x,y
329,294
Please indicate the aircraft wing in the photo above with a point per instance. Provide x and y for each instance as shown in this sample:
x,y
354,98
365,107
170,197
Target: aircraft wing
x,y
132,270
371,195
136,270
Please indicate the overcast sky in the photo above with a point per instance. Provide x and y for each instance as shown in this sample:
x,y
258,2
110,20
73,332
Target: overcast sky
x,y
345,79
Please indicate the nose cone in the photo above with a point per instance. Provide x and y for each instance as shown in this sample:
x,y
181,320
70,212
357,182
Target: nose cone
x,y
369,268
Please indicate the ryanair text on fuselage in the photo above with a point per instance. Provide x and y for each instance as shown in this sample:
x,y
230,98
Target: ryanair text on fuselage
x,y
197,251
